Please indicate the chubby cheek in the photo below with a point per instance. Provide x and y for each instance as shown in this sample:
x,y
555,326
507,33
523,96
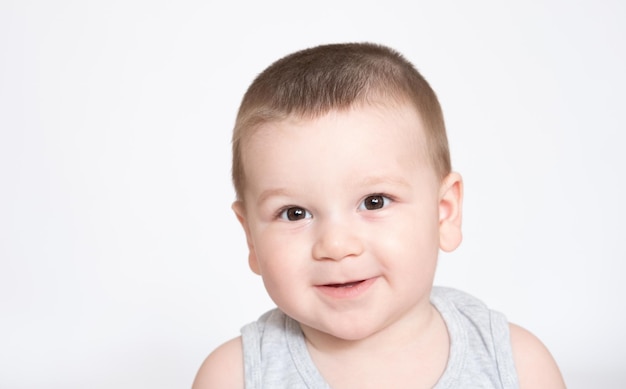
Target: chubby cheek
x,y
411,246
282,260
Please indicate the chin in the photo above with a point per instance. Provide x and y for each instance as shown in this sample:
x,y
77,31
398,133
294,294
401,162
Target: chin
x,y
348,332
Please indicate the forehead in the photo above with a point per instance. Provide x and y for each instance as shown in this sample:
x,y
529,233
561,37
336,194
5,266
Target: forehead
x,y
375,140
390,120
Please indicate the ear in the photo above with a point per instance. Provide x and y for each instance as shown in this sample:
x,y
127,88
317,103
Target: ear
x,y
450,212
240,211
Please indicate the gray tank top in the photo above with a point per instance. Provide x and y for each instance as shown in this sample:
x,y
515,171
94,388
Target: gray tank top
x,y
275,353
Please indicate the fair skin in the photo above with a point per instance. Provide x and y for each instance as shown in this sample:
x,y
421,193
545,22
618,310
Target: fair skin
x,y
344,217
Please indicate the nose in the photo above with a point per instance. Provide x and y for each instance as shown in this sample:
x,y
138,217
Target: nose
x,y
337,240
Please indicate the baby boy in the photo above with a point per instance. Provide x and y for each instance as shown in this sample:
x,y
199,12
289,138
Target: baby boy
x,y
346,195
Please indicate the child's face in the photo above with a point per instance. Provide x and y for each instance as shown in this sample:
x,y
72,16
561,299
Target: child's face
x,y
344,217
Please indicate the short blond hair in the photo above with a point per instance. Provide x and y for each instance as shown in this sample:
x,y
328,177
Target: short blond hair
x,y
312,82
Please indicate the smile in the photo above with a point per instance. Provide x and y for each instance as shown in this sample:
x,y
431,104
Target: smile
x,y
347,290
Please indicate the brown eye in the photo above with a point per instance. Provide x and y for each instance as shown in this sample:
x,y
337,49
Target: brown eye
x,y
374,202
295,213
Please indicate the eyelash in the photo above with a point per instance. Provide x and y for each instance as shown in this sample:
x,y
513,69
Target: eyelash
x,y
302,213
385,201
283,213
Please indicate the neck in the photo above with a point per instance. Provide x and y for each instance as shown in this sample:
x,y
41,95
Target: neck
x,y
411,328
413,351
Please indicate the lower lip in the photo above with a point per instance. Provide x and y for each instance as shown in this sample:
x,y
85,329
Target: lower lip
x,y
347,292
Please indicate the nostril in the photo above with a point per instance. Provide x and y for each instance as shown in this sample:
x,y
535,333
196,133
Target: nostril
x,y
337,249
336,239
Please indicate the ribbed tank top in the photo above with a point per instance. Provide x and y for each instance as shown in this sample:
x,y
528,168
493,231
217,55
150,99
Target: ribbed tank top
x,y
276,356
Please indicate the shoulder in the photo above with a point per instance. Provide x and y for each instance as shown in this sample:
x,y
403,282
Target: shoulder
x,y
536,368
223,368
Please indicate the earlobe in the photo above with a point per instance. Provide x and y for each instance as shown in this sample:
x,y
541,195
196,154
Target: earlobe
x,y
240,212
450,212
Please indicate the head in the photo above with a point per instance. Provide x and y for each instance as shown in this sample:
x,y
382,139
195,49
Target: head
x,y
344,188
312,82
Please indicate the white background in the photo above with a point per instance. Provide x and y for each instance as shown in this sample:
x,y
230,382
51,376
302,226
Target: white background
x,y
121,264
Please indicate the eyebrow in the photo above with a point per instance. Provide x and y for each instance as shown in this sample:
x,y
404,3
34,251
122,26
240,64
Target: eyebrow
x,y
368,181
377,180
271,193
